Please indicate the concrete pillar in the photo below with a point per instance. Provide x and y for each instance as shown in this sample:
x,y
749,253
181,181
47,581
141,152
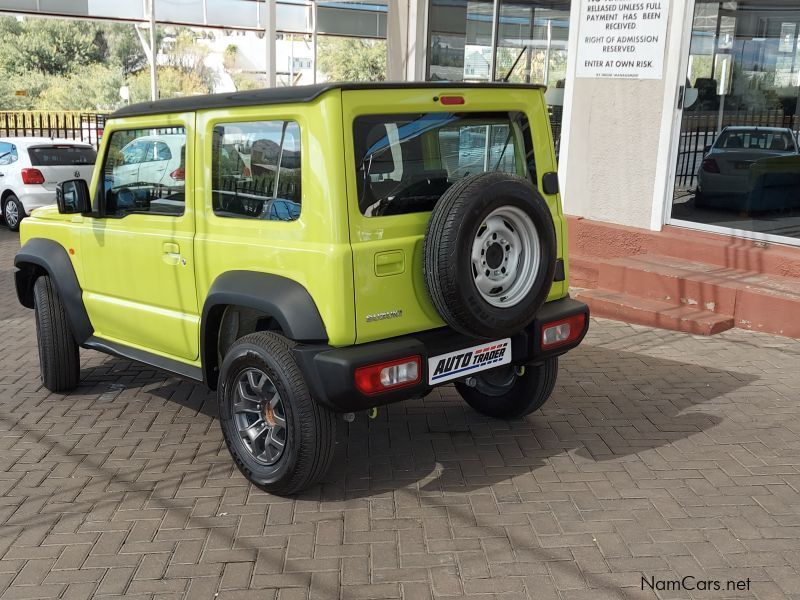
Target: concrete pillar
x,y
406,40
269,42
616,135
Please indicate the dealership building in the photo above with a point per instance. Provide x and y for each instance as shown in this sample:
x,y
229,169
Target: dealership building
x,y
676,126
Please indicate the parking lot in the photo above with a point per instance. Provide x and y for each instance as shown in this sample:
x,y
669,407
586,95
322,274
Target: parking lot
x,y
661,458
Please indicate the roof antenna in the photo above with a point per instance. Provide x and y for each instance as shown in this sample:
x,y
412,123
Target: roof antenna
x,y
514,66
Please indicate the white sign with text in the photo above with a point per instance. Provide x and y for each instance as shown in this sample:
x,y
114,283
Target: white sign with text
x,y
622,39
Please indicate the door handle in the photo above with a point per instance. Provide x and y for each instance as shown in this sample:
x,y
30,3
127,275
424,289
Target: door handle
x,y
171,248
172,254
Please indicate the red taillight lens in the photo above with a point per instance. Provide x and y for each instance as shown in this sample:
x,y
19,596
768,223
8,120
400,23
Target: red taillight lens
x,y
559,333
710,166
178,174
382,377
451,100
32,176
246,172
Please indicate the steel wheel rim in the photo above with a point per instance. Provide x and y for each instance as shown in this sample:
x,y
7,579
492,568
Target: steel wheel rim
x,y
259,416
12,215
505,256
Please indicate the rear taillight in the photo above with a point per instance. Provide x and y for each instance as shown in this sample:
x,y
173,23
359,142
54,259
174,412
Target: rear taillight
x,y
386,376
565,331
246,172
32,176
710,166
178,174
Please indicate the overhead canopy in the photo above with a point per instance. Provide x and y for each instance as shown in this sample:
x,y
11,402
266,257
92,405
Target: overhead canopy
x,y
343,17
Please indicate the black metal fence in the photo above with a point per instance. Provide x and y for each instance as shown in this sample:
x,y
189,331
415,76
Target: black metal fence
x,y
699,130
86,127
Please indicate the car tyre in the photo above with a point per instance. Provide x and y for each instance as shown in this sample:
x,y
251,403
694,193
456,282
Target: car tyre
x,y
59,356
489,255
280,438
13,212
504,393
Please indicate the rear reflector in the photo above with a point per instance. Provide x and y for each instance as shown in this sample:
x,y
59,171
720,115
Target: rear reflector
x,y
450,100
383,377
559,333
32,176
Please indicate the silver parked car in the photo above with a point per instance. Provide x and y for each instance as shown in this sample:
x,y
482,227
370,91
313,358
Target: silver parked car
x,y
30,169
725,177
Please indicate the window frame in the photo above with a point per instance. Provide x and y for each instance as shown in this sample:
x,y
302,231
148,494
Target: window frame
x,y
286,121
99,200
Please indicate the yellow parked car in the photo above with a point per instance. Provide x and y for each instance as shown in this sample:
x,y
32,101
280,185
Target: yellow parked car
x,y
314,250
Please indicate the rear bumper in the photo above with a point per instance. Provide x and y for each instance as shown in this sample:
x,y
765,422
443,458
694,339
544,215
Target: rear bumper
x,y
330,372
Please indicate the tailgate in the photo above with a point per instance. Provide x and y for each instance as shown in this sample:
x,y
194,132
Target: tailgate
x,y
403,150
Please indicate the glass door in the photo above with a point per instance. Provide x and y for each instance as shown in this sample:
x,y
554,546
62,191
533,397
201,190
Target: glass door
x,y
738,160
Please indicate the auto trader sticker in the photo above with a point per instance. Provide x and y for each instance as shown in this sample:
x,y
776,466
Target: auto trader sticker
x,y
469,360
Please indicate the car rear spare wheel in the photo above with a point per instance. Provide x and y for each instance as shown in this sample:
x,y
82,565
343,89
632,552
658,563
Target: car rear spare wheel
x,y
279,437
490,255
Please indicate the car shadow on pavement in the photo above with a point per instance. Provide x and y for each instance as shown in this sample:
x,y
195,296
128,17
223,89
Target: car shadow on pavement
x,y
608,405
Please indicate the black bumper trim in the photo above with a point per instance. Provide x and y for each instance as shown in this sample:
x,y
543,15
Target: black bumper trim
x,y
329,372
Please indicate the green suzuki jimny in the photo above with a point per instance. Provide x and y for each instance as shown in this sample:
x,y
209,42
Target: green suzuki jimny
x,y
314,250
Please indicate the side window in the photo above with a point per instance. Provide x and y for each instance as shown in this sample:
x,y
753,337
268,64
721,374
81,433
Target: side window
x,y
255,170
8,153
134,152
157,151
134,183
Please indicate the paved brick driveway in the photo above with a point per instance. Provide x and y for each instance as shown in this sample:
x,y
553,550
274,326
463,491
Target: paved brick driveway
x,y
660,455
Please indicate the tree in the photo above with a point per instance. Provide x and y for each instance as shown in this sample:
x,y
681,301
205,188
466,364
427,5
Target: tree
x,y
124,48
352,59
188,57
172,82
96,88
49,46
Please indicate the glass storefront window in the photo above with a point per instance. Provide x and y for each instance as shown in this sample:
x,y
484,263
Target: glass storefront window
x,y
738,163
531,44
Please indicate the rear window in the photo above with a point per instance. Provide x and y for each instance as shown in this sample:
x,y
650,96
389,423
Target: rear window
x,y
50,156
404,163
755,139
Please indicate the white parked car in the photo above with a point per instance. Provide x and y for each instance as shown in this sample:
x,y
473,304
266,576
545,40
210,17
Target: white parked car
x,y
30,169
152,159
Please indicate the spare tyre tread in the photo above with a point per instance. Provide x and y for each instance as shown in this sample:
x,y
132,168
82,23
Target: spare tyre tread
x,y
442,234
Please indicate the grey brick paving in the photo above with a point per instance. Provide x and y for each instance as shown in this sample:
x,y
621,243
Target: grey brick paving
x,y
660,455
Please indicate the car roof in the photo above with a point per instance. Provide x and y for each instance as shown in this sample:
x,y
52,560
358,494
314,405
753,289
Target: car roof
x,y
37,141
756,128
287,95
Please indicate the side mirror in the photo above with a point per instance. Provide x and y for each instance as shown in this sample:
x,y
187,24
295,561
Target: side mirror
x,y
72,197
550,183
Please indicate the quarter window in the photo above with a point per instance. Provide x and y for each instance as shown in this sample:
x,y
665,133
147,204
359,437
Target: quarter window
x,y
255,170
145,172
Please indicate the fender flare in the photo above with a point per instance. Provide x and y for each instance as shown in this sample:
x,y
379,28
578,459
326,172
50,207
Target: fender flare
x,y
281,298
39,256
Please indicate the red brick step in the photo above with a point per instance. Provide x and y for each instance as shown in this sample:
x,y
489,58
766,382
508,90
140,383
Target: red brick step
x,y
654,313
